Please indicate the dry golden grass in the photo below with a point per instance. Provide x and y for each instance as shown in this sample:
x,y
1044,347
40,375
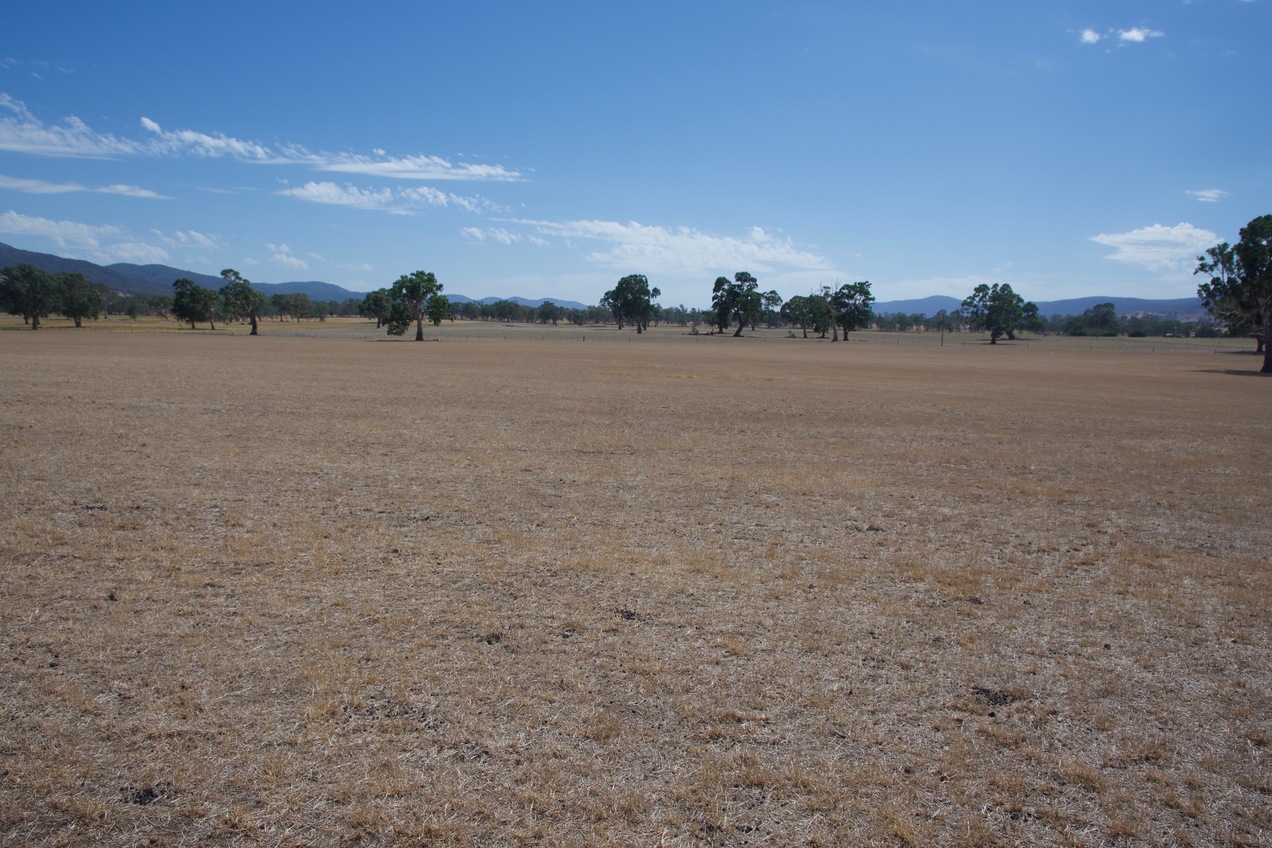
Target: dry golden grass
x,y
676,591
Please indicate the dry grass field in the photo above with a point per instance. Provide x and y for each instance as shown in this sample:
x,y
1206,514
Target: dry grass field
x,y
674,591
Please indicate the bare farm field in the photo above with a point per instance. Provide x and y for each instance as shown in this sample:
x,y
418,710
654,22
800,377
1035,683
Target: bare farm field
x,y
660,591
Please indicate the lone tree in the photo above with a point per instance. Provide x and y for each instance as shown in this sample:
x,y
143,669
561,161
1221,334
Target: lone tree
x,y
27,291
193,303
1240,287
737,300
78,298
410,298
240,299
850,305
632,300
999,311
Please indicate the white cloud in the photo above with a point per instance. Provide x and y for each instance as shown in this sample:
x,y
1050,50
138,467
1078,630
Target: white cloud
x,y
657,249
23,132
1090,36
30,186
104,244
283,255
65,233
398,201
492,233
1166,250
189,239
1208,195
1138,35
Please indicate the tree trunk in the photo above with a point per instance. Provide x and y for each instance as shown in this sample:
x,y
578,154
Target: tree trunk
x,y
252,318
739,330
79,322
419,329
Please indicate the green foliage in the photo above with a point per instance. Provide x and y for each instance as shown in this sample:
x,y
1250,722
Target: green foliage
x,y
632,300
999,311
27,291
193,303
737,301
78,298
1239,292
850,306
240,299
409,302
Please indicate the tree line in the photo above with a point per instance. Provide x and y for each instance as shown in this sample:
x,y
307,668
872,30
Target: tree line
x,y
1238,295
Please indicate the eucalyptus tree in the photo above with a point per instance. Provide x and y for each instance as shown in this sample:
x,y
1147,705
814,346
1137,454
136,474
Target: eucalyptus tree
x,y
737,300
409,299
78,298
632,300
193,303
850,306
999,311
1240,287
27,291
240,299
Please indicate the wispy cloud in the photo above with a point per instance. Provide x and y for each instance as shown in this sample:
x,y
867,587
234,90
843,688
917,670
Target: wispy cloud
x,y
495,234
397,201
189,239
29,186
1208,195
23,132
685,250
1090,36
282,254
1164,250
99,243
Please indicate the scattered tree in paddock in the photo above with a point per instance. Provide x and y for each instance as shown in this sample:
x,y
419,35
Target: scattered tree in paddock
x,y
850,306
193,303
410,300
999,311
632,300
737,301
1240,287
240,299
27,291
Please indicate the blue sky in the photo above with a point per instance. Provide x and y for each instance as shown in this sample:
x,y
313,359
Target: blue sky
x,y
548,149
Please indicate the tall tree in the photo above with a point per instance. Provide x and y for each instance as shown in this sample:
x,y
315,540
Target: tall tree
x,y
409,298
799,311
193,303
737,300
27,291
850,306
1240,287
78,298
998,311
240,299
632,300
376,305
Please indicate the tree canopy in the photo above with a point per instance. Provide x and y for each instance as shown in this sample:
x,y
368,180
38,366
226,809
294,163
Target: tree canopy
x,y
413,298
1240,288
240,299
193,303
27,291
850,306
737,300
632,300
998,311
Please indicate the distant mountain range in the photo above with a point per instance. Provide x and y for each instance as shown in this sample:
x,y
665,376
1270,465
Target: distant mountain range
x,y
1184,308
157,279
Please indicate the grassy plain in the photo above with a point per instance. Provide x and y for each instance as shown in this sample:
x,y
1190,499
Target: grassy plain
x,y
520,589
